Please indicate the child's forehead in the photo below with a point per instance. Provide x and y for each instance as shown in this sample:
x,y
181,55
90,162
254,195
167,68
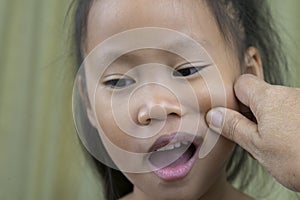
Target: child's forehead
x,y
145,11
136,6
110,17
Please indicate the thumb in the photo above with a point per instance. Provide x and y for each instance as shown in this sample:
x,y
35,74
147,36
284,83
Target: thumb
x,y
234,126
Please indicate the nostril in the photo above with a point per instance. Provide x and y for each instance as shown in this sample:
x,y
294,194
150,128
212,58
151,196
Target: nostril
x,y
148,121
173,114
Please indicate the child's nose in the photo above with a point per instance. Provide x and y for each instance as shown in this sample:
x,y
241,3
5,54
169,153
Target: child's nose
x,y
159,110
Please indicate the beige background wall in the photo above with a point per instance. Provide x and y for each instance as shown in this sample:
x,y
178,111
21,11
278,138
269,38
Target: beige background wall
x,y
288,18
40,158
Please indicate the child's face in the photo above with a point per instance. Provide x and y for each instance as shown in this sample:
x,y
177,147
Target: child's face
x,y
154,102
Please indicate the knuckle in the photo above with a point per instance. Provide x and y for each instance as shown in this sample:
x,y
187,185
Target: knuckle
x,y
261,102
233,129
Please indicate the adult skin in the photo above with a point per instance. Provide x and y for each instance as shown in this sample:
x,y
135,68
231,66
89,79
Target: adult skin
x,y
274,139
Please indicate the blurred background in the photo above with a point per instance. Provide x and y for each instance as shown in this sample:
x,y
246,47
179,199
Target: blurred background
x,y
40,155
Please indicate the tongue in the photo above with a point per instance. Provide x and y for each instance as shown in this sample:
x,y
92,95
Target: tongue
x,y
171,158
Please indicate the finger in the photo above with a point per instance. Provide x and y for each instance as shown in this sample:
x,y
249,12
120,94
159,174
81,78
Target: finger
x,y
234,126
250,90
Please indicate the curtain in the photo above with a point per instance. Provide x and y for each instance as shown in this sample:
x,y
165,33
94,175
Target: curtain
x,y
287,18
40,155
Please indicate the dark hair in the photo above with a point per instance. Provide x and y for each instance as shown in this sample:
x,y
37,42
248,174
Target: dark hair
x,y
243,23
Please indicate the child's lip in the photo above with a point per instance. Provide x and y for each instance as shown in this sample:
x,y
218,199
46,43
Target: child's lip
x,y
164,170
175,137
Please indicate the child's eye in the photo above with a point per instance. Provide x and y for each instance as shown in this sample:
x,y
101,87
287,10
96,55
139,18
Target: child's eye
x,y
119,82
187,71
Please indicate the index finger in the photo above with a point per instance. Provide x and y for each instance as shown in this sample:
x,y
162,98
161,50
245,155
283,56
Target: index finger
x,y
250,90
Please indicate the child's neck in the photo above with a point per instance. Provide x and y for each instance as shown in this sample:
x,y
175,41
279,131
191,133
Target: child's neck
x,y
222,190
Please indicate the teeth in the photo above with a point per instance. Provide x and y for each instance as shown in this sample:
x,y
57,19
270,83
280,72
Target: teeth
x,y
185,143
174,145
177,145
170,147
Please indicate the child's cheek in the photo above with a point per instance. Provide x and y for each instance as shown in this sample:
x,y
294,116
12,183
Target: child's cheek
x,y
108,126
209,95
203,94
214,92
231,99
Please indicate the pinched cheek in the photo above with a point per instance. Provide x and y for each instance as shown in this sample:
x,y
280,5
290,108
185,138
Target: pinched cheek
x,y
204,99
231,100
203,95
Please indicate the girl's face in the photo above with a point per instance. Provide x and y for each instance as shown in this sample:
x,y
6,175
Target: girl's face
x,y
153,103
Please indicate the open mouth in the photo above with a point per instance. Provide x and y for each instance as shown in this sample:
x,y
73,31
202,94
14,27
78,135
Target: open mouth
x,y
172,157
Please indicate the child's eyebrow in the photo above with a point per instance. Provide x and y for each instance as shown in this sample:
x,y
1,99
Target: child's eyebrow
x,y
182,44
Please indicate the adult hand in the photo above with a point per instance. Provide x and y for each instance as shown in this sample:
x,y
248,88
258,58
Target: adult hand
x,y
274,140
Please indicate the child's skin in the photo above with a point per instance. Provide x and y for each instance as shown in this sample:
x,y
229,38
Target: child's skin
x,y
207,178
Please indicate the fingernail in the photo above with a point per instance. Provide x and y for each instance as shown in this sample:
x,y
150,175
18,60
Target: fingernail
x,y
215,119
